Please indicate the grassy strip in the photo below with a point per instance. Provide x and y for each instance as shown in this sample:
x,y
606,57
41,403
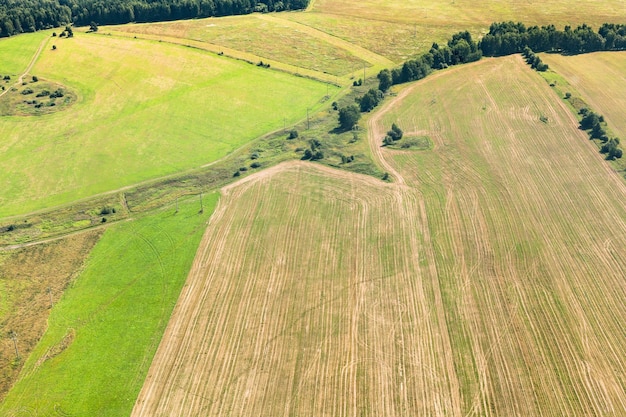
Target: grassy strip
x,y
104,331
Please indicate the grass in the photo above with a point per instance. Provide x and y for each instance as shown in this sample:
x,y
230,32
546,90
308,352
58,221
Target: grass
x,y
159,109
271,150
103,332
476,285
272,39
17,51
399,30
469,13
32,278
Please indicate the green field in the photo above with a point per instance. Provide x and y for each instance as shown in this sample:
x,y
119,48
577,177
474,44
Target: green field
x,y
144,110
103,333
17,51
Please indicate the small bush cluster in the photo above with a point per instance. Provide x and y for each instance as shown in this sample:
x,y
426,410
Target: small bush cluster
x,y
107,210
347,159
261,64
27,91
593,123
58,93
314,152
393,135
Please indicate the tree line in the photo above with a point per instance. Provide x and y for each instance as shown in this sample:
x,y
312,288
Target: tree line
x,y
18,16
505,38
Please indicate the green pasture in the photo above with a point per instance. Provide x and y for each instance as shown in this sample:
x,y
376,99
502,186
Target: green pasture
x,y
102,335
144,110
17,51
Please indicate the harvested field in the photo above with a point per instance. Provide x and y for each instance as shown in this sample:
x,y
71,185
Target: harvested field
x,y
486,281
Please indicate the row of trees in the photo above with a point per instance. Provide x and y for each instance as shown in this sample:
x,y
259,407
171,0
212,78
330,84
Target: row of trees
x,y
460,49
593,124
533,60
507,38
31,15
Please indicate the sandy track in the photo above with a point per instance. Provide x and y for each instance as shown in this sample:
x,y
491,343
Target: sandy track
x,y
486,281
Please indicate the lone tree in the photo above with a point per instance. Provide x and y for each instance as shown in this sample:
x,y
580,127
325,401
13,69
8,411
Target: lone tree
x,y
93,27
349,116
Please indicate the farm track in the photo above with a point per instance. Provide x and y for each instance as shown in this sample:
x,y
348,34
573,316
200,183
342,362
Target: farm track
x,y
486,281
20,79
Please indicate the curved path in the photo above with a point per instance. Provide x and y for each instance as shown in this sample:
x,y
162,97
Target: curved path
x,y
20,79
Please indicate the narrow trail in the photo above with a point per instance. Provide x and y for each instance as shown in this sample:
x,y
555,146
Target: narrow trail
x,y
20,79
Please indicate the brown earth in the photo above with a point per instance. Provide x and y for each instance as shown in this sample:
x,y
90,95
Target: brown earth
x,y
486,281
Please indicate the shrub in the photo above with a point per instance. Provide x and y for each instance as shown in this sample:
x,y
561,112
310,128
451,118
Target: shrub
x,y
293,134
35,78
57,93
255,165
236,174
568,95
255,155
27,91
243,168
43,93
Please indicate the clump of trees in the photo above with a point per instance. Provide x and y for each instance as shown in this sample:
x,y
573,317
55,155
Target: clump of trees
x,y
393,135
593,123
370,100
349,116
314,151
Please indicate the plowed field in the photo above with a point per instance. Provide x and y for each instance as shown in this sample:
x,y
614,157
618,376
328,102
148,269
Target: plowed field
x,y
487,280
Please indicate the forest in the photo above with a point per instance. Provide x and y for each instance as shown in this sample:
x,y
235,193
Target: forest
x,y
19,16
